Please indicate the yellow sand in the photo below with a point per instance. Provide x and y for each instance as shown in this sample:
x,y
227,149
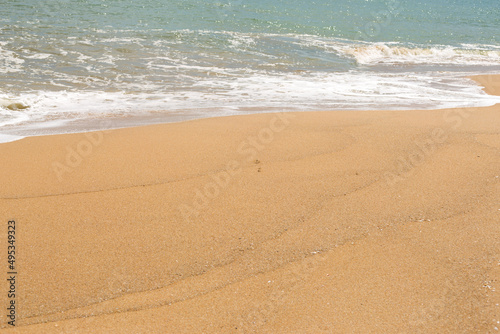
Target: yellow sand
x,y
315,222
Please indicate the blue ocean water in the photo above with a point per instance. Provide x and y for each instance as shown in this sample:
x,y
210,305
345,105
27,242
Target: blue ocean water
x,y
70,60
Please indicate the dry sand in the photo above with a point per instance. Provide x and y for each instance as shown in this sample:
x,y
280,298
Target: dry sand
x,y
317,222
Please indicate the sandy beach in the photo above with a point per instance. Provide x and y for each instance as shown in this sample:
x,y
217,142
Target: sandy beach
x,y
313,222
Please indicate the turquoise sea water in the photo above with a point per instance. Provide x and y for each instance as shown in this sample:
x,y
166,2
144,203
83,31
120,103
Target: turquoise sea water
x,y
88,59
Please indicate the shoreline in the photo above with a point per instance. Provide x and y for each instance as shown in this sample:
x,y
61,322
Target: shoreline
x,y
155,118
366,221
490,83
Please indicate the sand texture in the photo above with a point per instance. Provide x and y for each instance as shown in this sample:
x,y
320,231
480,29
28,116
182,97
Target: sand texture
x,y
314,222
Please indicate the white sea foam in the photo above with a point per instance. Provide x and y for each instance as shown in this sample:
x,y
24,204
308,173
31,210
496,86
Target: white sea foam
x,y
264,91
381,53
6,138
374,53
39,56
10,61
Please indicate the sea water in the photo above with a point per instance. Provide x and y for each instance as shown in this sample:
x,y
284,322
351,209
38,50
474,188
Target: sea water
x,y
73,61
